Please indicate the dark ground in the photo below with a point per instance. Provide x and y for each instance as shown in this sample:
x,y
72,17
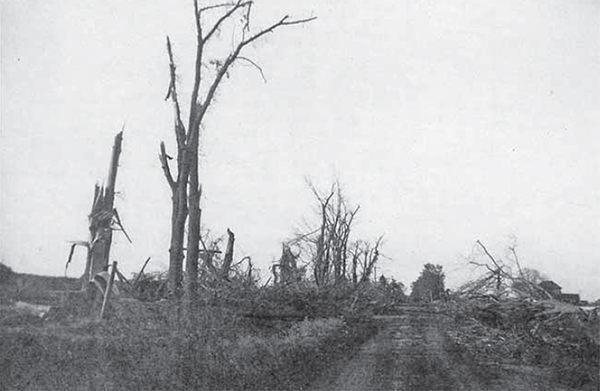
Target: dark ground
x,y
414,351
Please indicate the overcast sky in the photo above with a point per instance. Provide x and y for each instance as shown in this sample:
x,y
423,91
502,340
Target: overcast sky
x,y
446,121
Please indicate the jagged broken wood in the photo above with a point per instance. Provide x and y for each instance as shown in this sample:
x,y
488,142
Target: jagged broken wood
x,y
103,220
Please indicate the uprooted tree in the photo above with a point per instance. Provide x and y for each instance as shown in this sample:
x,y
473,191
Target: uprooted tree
x,y
329,250
208,75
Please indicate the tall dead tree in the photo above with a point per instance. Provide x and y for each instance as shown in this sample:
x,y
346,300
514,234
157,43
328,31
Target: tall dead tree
x,y
333,257
185,185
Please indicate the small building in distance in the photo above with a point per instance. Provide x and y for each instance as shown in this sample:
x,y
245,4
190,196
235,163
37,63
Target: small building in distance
x,y
551,287
555,291
571,298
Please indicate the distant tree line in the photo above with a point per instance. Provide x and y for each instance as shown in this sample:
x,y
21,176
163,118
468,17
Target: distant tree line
x,y
429,286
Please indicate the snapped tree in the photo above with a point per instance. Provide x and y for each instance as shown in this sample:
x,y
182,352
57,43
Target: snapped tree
x,y
103,220
185,185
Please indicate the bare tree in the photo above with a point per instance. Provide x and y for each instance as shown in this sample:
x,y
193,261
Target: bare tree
x,y
185,186
370,256
333,257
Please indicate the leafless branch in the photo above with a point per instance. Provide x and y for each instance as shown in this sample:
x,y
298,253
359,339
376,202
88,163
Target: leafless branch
x,y
203,244
299,237
483,265
322,201
120,224
371,255
245,258
210,7
172,93
256,66
235,54
514,253
192,128
225,16
141,271
488,254
352,214
75,243
247,19
282,22
499,269
165,166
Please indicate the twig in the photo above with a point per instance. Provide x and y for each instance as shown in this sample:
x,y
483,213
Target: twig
x,y
225,16
123,278
512,249
483,264
235,54
256,66
499,270
118,221
210,7
141,271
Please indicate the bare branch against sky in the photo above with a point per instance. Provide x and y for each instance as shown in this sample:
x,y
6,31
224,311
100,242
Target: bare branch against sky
x,y
447,122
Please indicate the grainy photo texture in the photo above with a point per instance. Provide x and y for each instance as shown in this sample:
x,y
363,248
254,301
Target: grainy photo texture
x,y
299,195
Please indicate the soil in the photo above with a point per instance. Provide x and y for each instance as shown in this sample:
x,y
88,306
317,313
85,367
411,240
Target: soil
x,y
413,351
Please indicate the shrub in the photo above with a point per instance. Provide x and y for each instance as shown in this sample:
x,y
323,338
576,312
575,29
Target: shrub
x,y
5,273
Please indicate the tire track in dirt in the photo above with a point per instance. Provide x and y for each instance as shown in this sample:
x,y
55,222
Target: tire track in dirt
x,y
413,352
409,353
413,356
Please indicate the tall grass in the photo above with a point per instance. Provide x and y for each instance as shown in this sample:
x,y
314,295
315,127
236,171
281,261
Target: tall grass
x,y
153,346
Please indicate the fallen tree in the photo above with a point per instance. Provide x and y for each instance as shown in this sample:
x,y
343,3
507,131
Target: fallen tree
x,y
498,280
520,332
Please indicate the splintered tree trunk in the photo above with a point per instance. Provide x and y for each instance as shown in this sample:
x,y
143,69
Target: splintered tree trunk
x,y
110,195
228,259
101,218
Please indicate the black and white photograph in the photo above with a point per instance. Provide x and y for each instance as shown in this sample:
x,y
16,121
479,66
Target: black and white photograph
x,y
313,195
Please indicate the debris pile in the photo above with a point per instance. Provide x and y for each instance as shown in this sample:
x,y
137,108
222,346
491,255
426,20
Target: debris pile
x,y
559,337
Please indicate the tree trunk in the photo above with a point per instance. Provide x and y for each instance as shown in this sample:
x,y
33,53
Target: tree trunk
x,y
101,218
228,259
187,141
178,219
193,240
110,195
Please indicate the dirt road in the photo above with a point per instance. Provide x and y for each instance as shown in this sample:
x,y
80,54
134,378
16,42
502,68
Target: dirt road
x,y
413,352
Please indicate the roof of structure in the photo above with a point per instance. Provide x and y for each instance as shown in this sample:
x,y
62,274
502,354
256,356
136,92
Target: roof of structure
x,y
549,285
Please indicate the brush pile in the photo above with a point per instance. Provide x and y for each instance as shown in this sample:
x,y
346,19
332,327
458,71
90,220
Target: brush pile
x,y
560,337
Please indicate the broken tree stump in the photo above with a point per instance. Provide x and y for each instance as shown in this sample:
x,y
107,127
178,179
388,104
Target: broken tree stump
x,y
101,219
